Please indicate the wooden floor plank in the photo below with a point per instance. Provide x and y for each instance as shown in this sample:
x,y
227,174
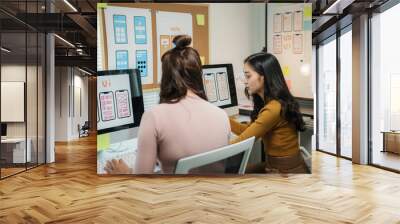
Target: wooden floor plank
x,y
70,191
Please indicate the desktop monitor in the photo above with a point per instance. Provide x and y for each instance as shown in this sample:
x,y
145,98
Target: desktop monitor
x,y
119,100
3,130
219,84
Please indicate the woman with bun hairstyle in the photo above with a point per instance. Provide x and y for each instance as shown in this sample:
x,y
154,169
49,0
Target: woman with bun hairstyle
x,y
276,117
176,128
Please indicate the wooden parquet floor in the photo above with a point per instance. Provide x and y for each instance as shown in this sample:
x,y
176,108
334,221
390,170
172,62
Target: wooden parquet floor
x,y
69,191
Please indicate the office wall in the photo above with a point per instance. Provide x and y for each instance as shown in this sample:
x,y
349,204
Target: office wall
x,y
71,87
16,72
235,32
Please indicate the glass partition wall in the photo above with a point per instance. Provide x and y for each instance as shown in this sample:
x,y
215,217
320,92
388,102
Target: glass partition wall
x,y
22,77
385,90
334,94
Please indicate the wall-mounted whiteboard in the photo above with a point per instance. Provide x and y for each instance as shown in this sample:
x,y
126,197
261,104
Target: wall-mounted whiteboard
x,y
290,40
12,101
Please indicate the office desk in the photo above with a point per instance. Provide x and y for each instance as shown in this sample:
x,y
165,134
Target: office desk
x,y
391,141
13,150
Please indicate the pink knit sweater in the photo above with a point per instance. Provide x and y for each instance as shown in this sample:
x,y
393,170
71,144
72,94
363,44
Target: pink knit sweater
x,y
169,132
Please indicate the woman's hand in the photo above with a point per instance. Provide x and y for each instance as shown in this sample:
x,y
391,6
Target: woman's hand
x,y
117,167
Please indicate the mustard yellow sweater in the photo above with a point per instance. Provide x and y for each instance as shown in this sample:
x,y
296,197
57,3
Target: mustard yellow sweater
x,y
280,138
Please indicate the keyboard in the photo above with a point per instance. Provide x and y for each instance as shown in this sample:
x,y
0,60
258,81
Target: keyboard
x,y
125,150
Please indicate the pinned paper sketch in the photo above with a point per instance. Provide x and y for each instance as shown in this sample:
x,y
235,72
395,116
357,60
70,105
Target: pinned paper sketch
x,y
120,33
123,108
277,44
287,22
277,23
171,24
298,43
223,86
107,106
298,21
287,41
210,87
165,44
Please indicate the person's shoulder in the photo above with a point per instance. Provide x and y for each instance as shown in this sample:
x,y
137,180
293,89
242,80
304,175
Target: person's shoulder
x,y
273,105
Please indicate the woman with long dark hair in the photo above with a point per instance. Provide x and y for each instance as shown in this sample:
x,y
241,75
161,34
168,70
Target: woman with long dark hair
x,y
176,128
276,117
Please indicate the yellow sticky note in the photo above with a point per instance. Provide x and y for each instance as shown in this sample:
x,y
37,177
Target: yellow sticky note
x,y
203,60
103,142
307,12
101,5
200,19
286,70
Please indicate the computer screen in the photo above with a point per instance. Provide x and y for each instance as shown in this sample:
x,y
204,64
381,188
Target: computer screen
x,y
3,129
219,84
119,100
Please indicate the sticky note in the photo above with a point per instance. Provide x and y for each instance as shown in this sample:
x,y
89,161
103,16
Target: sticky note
x,y
103,142
286,70
289,84
200,19
203,60
307,12
101,5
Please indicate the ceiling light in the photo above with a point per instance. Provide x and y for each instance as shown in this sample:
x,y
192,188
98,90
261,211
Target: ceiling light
x,y
65,41
84,71
70,5
5,50
338,6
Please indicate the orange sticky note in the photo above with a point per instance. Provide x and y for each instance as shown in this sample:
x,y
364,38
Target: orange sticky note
x,y
289,84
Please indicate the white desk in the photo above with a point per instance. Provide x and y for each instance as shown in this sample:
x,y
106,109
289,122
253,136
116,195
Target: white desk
x,y
18,150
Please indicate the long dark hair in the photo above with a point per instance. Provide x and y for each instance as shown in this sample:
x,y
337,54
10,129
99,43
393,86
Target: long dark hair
x,y
275,88
181,70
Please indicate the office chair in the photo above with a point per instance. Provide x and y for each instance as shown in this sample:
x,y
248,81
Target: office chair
x,y
184,165
84,130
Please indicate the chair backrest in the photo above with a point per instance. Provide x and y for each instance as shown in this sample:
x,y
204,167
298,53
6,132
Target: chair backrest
x,y
184,165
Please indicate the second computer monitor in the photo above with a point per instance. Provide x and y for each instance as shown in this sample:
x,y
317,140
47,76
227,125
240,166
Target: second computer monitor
x,y
219,84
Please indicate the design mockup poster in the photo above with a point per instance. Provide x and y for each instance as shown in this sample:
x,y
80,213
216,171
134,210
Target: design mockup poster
x,y
128,32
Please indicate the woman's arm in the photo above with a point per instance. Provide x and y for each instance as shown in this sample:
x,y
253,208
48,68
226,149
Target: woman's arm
x,y
147,145
237,127
267,118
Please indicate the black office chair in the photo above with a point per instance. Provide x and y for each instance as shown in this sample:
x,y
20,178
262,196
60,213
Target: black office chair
x,y
84,130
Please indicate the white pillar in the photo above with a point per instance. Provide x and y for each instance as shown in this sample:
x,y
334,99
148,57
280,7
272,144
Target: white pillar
x,y
360,90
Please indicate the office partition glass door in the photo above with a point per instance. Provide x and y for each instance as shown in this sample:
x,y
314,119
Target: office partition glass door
x,y
385,89
22,102
346,92
326,98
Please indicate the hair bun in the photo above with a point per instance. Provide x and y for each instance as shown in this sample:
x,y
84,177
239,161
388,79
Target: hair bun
x,y
182,41
264,50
